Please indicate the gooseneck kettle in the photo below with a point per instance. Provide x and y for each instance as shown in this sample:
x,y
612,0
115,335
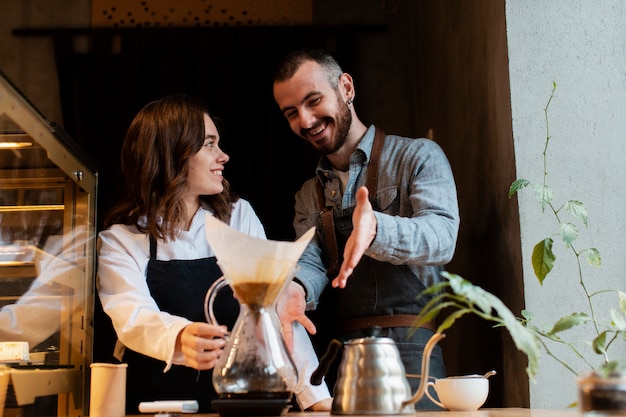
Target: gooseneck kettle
x,y
371,379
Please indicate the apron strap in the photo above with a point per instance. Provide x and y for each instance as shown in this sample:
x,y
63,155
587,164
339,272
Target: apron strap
x,y
326,213
372,171
153,248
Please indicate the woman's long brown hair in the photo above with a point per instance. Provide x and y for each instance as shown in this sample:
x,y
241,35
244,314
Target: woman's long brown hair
x,y
155,156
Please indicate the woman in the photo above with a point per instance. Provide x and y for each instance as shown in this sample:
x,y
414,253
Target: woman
x,y
155,265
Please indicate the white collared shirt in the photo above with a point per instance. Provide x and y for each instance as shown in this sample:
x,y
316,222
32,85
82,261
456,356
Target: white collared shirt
x,y
123,254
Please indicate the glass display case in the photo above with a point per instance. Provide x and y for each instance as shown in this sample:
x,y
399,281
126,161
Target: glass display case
x,y
47,260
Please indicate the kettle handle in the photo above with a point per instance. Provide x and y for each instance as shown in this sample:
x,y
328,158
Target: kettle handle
x,y
422,388
325,362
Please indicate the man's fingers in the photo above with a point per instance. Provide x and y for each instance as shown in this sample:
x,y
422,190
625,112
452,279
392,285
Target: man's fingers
x,y
307,324
361,195
342,279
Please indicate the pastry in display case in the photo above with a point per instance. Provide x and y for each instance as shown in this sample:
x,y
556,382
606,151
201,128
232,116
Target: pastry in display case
x,y
47,261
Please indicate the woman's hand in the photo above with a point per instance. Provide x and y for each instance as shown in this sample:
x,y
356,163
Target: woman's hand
x,y
201,344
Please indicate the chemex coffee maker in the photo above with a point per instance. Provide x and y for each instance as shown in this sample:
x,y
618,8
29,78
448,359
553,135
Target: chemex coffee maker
x,y
255,375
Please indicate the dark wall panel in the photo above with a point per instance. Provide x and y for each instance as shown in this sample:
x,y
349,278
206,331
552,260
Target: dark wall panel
x,y
105,85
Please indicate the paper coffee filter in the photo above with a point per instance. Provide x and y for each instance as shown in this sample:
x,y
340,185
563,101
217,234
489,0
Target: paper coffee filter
x,y
247,258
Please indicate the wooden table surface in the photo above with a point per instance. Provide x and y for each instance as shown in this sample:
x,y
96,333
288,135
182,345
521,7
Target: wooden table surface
x,y
483,412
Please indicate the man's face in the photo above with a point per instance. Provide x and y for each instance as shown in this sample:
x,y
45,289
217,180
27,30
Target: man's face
x,y
314,109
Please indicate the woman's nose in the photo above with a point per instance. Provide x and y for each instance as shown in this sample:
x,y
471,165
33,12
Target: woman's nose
x,y
224,157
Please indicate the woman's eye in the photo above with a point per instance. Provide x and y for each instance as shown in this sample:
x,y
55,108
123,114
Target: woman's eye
x,y
209,143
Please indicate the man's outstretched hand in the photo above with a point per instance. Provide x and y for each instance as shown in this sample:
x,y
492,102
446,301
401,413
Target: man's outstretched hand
x,y
292,306
363,233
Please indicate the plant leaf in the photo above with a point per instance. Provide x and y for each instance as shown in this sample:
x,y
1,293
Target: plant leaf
x,y
431,310
622,301
618,320
435,288
608,368
543,259
599,343
449,321
524,339
569,233
576,209
593,257
517,185
569,321
528,315
468,291
544,195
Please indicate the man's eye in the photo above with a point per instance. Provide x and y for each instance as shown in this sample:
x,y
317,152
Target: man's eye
x,y
290,114
315,101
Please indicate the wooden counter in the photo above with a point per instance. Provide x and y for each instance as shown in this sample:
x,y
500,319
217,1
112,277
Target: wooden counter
x,y
483,412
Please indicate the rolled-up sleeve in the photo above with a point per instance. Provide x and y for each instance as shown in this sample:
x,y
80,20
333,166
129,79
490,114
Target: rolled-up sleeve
x,y
424,228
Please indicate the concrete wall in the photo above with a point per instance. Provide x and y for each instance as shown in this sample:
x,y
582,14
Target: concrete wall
x,y
581,46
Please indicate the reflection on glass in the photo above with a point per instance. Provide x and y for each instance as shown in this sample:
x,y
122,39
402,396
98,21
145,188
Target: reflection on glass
x,y
47,246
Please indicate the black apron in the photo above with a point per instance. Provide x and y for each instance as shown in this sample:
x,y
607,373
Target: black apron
x,y
375,288
178,287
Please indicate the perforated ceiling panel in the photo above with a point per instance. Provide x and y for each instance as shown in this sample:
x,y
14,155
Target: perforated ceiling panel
x,y
170,13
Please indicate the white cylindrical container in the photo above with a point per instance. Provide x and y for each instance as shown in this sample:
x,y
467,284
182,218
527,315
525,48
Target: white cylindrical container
x,y
108,390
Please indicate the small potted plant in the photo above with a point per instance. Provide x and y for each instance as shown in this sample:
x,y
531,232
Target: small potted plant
x,y
602,388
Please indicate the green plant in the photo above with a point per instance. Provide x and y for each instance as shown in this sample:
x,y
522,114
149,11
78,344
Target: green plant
x,y
465,298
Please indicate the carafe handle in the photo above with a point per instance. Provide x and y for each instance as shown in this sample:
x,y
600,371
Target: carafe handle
x,y
209,299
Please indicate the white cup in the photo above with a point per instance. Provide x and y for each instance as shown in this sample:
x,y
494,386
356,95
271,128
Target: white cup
x,y
108,390
458,393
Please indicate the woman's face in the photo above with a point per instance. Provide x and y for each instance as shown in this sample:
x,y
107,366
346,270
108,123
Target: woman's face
x,y
206,166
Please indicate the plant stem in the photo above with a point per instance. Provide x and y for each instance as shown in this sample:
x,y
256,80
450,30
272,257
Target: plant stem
x,y
557,339
569,368
545,148
556,214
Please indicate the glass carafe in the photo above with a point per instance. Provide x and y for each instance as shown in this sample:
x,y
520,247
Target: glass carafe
x,y
256,363
255,376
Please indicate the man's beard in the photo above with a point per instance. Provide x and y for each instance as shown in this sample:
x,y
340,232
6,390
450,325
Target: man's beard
x,y
343,122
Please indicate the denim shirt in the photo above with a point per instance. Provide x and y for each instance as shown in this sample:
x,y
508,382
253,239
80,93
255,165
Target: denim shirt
x,y
418,220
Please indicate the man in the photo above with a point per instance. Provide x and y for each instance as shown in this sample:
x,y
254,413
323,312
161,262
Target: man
x,y
388,204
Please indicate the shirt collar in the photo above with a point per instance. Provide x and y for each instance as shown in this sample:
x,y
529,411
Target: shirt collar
x,y
324,168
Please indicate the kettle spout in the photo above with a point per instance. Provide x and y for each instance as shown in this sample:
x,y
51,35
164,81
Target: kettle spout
x,y
421,389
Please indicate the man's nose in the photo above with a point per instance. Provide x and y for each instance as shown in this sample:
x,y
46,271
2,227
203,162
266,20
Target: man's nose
x,y
307,119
